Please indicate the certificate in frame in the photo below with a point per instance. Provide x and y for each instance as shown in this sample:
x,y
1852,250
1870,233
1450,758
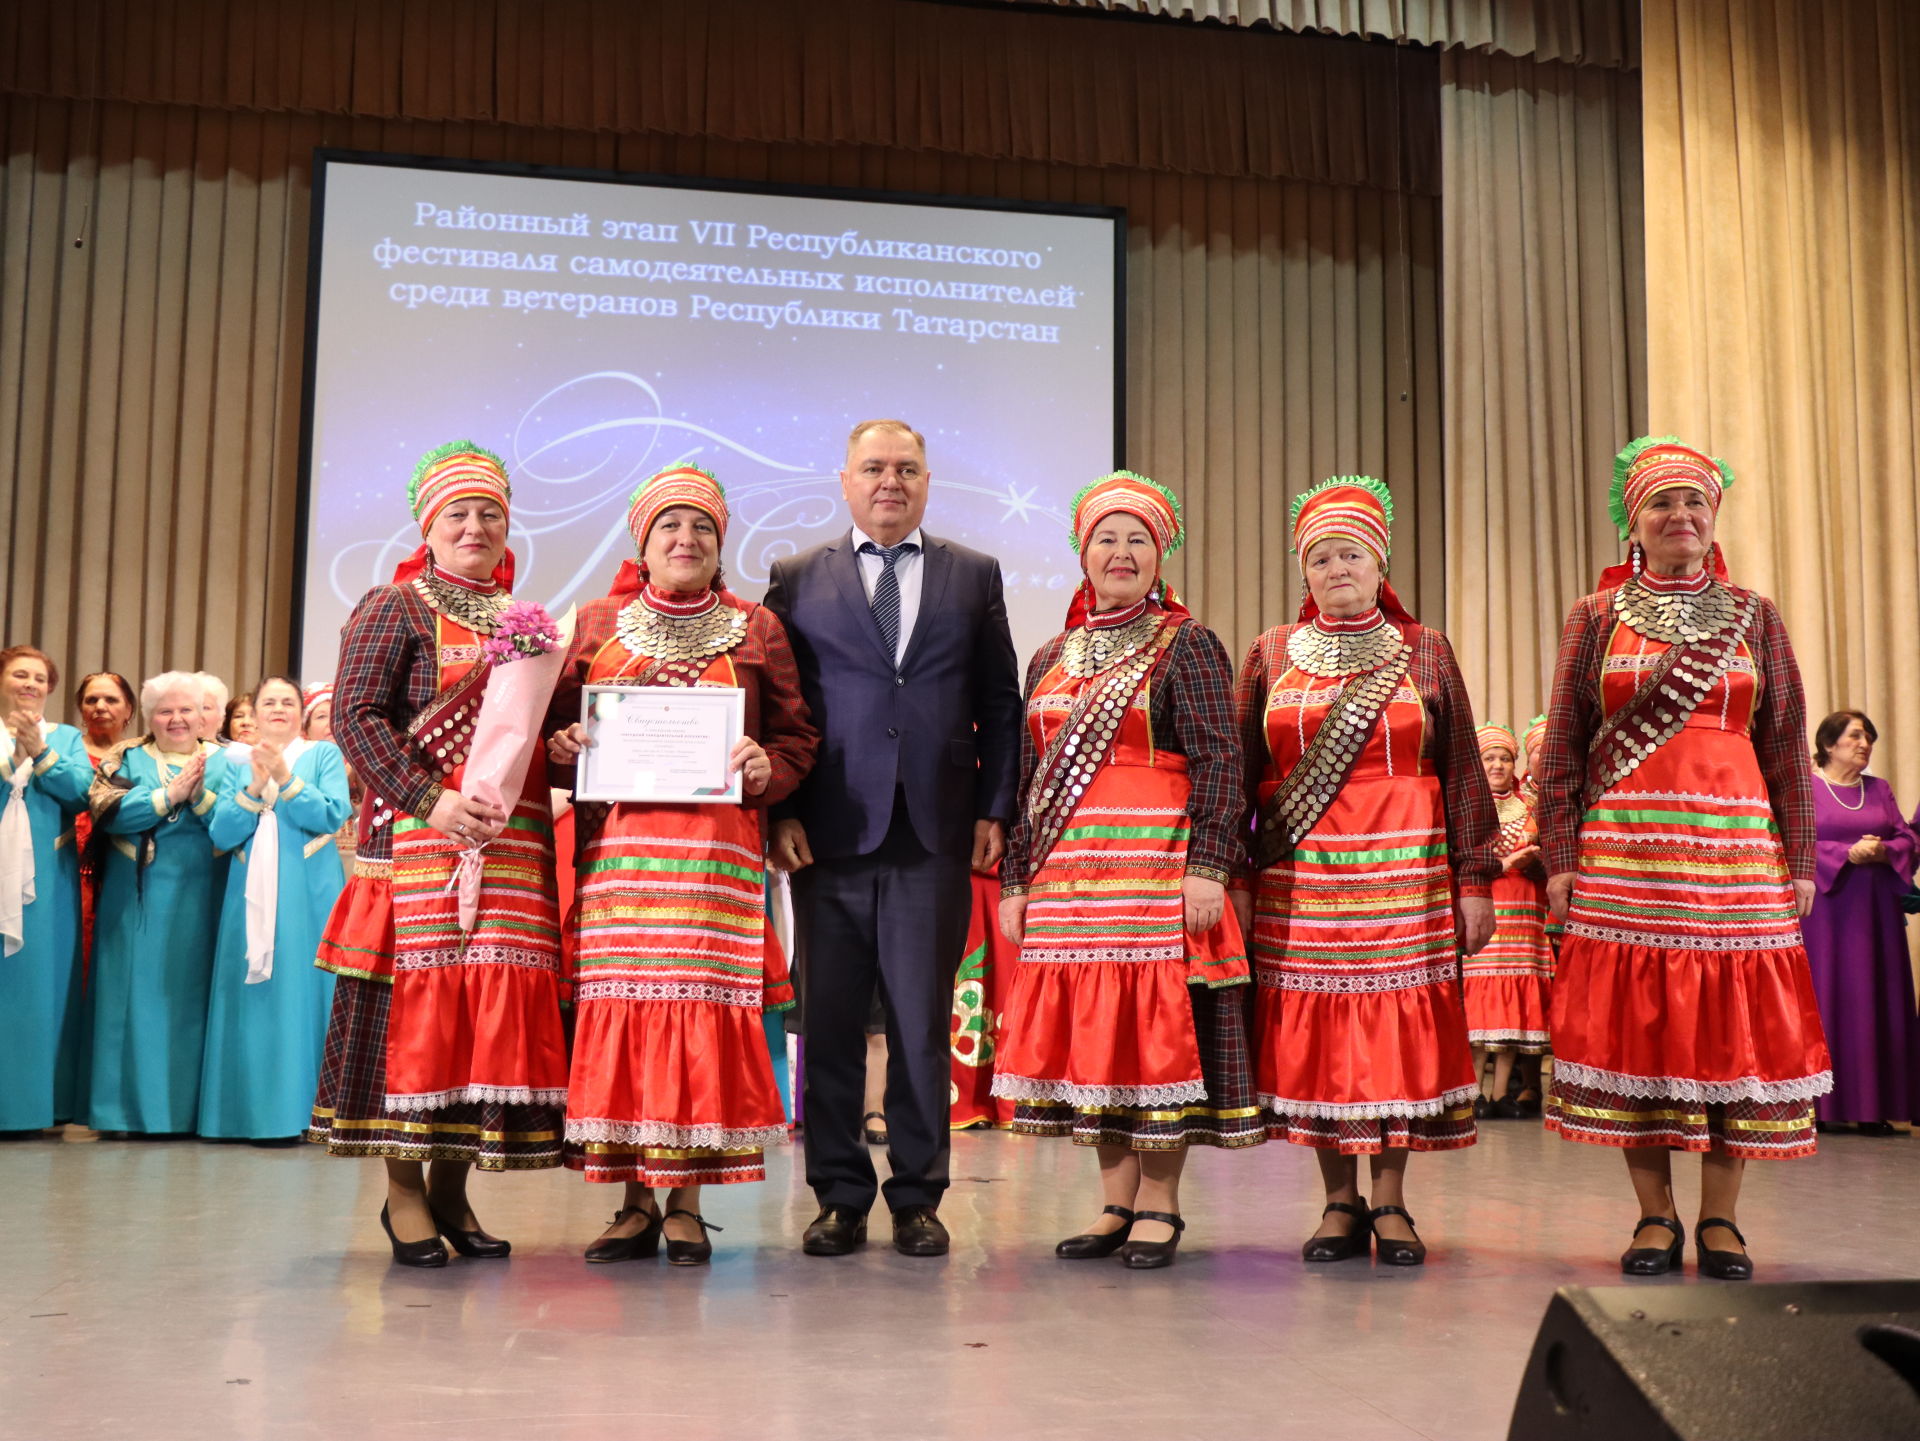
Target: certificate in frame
x,y
660,744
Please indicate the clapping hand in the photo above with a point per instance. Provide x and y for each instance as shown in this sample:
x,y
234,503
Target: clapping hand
x,y
27,740
183,787
262,770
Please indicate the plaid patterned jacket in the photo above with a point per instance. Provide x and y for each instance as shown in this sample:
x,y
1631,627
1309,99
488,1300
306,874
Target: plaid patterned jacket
x,y
1473,825
1573,716
1190,706
389,671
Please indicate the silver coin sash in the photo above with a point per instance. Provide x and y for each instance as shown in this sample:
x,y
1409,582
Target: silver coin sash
x,y
1085,740
1671,692
1316,778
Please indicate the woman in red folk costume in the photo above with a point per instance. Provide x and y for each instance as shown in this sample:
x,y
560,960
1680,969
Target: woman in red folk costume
x,y
1125,1028
1534,738
675,962
443,1046
1508,984
1677,819
1373,854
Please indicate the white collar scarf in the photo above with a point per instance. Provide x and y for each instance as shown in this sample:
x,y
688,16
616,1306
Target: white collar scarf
x,y
263,864
16,857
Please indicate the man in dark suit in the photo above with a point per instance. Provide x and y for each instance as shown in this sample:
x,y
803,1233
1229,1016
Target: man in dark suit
x,y
908,667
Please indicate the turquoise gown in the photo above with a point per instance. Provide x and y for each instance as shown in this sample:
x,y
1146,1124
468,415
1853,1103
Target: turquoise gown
x,y
153,941
262,1062
42,1024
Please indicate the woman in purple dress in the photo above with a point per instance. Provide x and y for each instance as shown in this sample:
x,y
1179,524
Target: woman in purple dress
x,y
1855,933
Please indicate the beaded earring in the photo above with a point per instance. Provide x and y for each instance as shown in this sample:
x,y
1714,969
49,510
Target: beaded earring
x,y
1634,551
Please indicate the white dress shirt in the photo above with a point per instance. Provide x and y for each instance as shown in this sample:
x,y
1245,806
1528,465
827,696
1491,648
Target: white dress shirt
x,y
907,569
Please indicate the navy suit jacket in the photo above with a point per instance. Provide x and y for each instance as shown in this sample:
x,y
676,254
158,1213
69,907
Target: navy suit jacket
x,y
944,724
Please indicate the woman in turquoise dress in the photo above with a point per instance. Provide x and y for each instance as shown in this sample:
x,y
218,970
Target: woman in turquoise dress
x,y
267,1022
44,771
158,911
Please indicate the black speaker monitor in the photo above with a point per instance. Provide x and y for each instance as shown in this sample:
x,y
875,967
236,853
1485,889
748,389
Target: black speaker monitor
x,y
1821,1361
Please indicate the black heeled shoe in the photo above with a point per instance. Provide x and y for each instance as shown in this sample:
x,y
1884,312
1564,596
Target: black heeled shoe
x,y
1482,1108
426,1254
1341,1248
690,1253
1397,1253
475,1245
1152,1255
874,1137
1721,1265
1653,1260
642,1245
1093,1245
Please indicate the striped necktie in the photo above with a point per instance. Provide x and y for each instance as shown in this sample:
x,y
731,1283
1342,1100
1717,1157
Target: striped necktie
x,y
886,590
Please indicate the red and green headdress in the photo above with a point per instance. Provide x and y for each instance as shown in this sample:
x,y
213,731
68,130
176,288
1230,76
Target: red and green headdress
x,y
458,470
1156,507
1654,463
1489,736
1351,507
1152,503
676,485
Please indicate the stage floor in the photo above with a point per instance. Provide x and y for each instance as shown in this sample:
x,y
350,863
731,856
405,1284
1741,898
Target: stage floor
x,y
179,1289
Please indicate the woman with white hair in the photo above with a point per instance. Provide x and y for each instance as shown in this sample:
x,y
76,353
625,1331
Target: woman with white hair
x,y
158,913
213,705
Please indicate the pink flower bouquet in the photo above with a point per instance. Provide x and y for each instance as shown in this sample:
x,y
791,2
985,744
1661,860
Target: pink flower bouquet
x,y
526,651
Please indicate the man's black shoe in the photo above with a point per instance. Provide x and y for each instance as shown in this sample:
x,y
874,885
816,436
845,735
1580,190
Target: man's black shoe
x,y
835,1232
917,1232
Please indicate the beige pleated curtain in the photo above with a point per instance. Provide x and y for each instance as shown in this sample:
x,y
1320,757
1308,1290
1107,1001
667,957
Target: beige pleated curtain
x,y
1543,353
1587,32
1282,192
1783,314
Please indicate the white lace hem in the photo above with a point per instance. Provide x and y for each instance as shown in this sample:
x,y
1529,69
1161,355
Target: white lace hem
x,y
1102,955
476,1095
1675,1088
1660,941
719,995
1370,1110
1359,983
486,955
1065,1093
678,1138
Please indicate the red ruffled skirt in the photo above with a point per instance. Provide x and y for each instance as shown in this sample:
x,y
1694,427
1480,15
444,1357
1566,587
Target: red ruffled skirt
x,y
1508,987
1684,1014
1361,1038
672,1083
1099,1023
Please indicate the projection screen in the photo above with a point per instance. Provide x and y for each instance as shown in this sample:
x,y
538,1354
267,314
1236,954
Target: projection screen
x,y
591,329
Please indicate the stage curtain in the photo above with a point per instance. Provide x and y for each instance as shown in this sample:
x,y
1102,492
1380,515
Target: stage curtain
x,y
1544,349
1583,32
1278,331
1783,312
981,82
